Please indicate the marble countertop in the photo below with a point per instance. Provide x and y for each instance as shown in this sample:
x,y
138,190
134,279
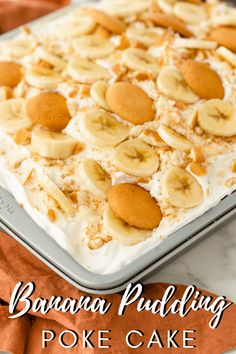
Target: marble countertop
x,y
211,265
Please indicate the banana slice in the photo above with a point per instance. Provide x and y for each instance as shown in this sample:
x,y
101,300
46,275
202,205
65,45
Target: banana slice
x,y
52,145
166,5
195,44
124,8
218,117
78,25
13,115
224,20
18,47
181,188
140,60
50,58
98,93
144,36
136,158
86,72
172,84
227,54
42,78
189,13
122,232
174,139
93,47
100,128
54,191
94,178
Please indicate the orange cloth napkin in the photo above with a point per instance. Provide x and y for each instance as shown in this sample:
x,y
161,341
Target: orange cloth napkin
x,y
24,335
14,13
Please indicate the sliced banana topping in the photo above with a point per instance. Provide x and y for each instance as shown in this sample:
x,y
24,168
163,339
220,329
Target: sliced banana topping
x,y
227,54
13,115
52,145
144,36
42,78
174,139
140,60
121,231
172,84
195,44
98,93
93,47
166,5
218,117
94,178
50,58
124,8
101,129
76,26
181,188
17,47
136,158
224,20
86,72
189,13
54,192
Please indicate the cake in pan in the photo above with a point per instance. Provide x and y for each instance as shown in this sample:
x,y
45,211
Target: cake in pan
x,y
118,123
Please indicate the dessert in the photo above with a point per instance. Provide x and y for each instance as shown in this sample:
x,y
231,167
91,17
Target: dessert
x,y
118,123
10,74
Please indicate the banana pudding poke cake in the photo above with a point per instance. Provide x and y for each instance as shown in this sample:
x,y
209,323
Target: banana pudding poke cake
x,y
118,123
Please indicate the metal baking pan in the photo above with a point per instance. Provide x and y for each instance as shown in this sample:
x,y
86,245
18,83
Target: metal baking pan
x,y
16,222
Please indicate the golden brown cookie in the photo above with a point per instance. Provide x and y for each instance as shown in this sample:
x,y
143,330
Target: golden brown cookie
x,y
169,21
130,103
10,73
135,206
204,81
111,23
225,36
49,110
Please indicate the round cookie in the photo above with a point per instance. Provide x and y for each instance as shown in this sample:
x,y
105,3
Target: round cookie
x,y
130,103
10,73
169,21
135,206
225,36
110,23
49,110
204,81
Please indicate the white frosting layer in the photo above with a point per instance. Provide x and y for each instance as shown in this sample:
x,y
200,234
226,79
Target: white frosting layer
x,y
113,256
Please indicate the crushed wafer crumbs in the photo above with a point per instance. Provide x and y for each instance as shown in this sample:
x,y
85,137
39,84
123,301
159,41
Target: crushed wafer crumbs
x,y
198,169
5,93
98,241
143,76
197,154
230,182
51,215
73,196
84,90
22,137
120,72
124,43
